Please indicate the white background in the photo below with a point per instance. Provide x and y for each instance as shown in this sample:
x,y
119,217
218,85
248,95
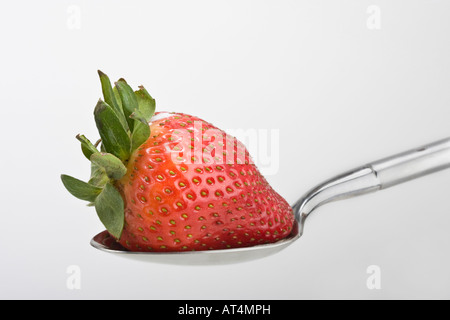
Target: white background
x,y
340,94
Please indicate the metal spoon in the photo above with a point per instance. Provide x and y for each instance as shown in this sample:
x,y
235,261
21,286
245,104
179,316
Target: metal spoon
x,y
372,177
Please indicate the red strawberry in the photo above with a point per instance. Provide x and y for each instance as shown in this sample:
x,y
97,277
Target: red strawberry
x,y
184,186
176,200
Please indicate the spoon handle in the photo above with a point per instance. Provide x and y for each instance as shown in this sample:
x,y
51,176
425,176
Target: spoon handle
x,y
412,164
375,176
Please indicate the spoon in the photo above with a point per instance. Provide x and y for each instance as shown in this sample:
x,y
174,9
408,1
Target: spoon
x,y
369,178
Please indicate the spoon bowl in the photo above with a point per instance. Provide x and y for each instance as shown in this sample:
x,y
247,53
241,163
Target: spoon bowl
x,y
104,242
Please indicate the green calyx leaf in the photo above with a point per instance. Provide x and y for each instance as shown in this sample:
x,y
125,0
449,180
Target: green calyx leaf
x,y
138,115
129,101
142,115
98,176
117,96
86,146
146,103
114,137
110,209
112,166
110,98
80,189
140,134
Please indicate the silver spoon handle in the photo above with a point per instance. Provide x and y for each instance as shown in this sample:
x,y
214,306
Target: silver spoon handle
x,y
377,175
413,164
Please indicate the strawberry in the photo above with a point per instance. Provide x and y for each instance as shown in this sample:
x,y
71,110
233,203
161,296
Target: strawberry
x,y
174,182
